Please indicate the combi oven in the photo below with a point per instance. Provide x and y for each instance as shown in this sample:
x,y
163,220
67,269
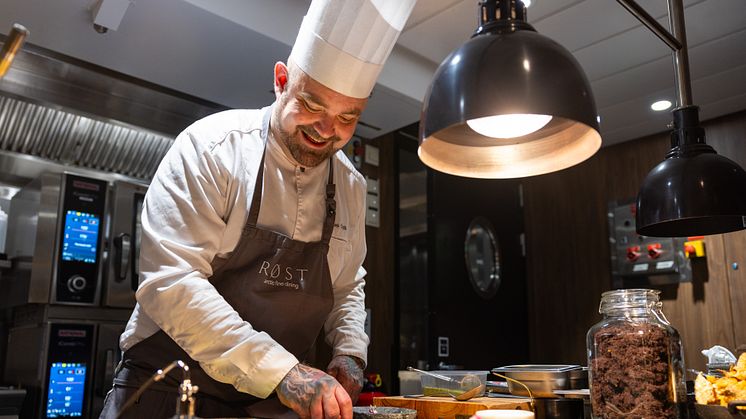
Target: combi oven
x,y
73,243
74,240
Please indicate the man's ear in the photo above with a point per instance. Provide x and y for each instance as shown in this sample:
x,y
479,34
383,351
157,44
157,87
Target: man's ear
x,y
281,78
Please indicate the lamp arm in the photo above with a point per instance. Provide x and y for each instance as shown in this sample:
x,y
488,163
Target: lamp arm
x,y
649,21
675,41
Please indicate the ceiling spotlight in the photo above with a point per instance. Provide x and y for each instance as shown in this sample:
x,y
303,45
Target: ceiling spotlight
x,y
661,105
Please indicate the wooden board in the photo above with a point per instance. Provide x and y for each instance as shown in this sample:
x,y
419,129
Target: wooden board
x,y
441,407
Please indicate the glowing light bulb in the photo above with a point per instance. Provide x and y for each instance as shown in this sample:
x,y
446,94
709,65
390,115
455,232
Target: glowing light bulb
x,y
509,126
661,105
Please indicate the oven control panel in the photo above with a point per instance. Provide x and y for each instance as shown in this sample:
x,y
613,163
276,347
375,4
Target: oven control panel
x,y
80,240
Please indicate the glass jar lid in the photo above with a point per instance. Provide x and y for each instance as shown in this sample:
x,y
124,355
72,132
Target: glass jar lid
x,y
624,299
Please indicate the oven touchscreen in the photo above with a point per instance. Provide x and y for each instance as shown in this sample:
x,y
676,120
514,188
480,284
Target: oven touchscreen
x,y
66,389
81,237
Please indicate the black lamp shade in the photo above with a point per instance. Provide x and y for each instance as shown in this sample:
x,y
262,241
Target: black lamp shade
x,y
508,72
696,193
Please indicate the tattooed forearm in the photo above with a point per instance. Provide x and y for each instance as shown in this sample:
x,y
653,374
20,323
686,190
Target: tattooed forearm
x,y
349,363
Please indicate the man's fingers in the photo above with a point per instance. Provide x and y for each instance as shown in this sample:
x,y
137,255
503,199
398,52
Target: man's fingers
x,y
331,406
316,407
350,386
344,401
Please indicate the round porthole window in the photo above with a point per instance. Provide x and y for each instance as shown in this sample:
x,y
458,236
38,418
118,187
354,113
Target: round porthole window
x,y
482,257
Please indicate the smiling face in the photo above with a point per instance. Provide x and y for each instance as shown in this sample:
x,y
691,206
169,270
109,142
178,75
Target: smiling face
x,y
310,121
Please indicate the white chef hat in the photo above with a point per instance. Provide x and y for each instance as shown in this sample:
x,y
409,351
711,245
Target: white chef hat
x,y
343,44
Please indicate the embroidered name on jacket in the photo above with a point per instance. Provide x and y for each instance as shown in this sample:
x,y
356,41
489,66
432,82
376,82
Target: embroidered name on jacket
x,y
278,275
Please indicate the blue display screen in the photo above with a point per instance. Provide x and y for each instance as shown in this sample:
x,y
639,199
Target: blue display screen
x,y
66,390
81,236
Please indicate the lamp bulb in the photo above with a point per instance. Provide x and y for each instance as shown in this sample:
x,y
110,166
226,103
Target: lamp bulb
x,y
508,126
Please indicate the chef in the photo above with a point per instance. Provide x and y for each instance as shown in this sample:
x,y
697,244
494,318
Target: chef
x,y
253,238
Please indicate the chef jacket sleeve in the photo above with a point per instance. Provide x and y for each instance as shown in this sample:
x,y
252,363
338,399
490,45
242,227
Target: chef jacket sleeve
x,y
345,331
183,223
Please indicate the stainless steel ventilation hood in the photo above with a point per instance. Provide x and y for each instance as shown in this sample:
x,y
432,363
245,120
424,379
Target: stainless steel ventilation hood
x,y
65,111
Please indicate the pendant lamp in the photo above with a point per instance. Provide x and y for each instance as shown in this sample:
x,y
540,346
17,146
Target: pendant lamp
x,y
508,103
694,191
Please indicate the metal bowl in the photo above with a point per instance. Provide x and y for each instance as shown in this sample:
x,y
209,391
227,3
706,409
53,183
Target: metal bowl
x,y
542,379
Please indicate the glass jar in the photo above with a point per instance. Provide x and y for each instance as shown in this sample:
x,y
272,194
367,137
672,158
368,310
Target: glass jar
x,y
636,365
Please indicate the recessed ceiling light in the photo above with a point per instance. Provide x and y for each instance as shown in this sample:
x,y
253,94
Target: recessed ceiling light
x,y
661,105
527,3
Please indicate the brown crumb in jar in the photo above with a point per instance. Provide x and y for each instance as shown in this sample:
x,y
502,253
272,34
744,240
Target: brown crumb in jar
x,y
630,373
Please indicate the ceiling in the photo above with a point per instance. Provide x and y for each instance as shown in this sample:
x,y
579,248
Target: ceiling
x,y
223,51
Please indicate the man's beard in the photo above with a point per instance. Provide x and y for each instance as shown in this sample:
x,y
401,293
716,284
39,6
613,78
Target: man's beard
x,y
304,155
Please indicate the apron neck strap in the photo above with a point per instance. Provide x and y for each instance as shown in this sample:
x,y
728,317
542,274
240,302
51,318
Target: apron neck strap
x,y
258,186
331,205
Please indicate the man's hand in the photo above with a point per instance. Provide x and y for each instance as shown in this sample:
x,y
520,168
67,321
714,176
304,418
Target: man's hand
x,y
348,371
313,394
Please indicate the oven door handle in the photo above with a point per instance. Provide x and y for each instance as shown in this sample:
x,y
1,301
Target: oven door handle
x,y
110,365
122,248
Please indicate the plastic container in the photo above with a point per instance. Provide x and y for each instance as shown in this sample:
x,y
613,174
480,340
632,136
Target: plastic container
x,y
636,365
432,386
409,383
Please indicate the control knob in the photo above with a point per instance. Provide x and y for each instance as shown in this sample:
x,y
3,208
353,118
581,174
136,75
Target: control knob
x,y
76,283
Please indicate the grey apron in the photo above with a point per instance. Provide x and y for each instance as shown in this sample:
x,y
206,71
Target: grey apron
x,y
279,285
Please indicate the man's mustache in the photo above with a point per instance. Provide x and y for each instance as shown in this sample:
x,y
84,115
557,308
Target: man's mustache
x,y
315,135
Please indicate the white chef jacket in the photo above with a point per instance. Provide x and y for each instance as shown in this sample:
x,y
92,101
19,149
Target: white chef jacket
x,y
195,210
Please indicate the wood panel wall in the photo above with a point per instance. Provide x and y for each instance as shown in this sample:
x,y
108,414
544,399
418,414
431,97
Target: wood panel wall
x,y
568,259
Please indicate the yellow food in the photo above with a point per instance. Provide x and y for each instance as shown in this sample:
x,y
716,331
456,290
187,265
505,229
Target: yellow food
x,y
730,387
704,391
740,368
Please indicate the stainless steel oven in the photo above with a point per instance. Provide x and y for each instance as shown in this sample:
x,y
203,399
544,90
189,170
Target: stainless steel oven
x,y
73,245
72,365
74,240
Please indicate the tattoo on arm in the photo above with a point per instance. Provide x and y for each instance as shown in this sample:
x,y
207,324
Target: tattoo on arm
x,y
350,364
302,385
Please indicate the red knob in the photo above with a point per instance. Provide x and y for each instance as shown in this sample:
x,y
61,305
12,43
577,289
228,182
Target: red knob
x,y
633,253
654,250
690,250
